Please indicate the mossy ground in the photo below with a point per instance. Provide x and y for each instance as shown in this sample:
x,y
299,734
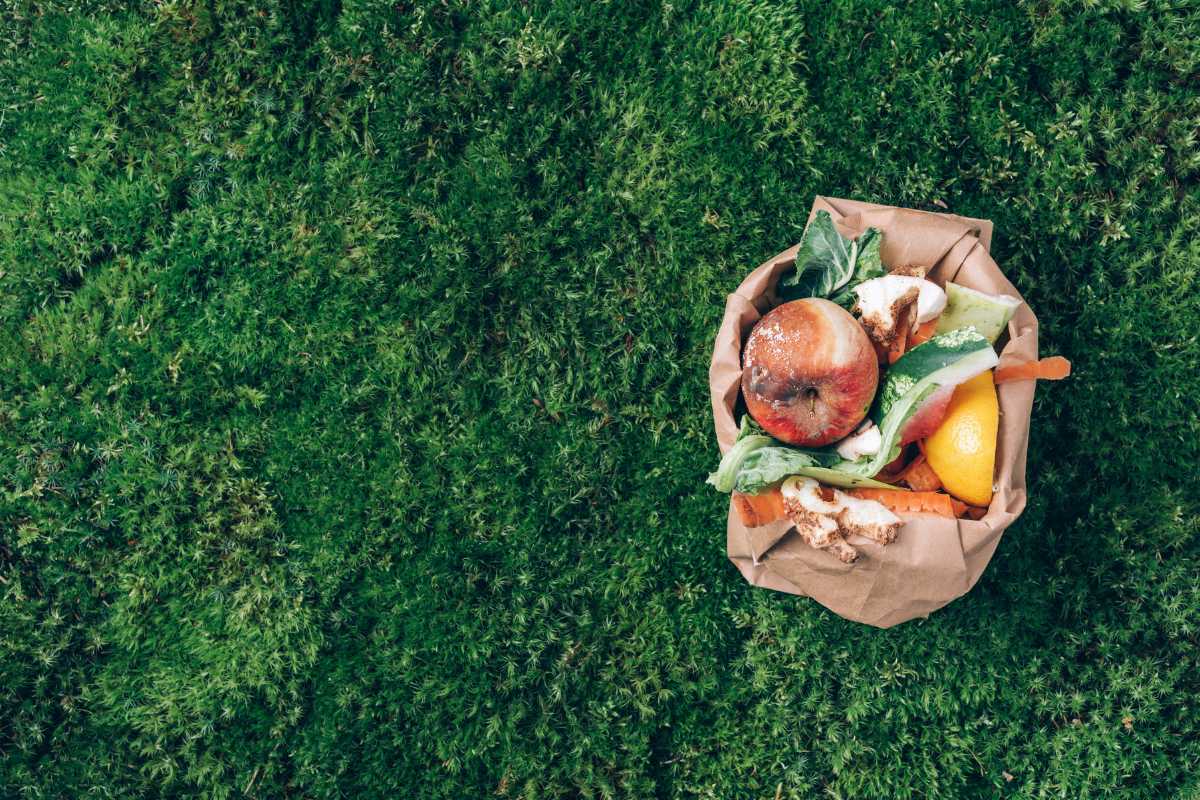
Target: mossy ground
x,y
354,417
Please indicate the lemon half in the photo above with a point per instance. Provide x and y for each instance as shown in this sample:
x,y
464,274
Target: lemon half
x,y
962,451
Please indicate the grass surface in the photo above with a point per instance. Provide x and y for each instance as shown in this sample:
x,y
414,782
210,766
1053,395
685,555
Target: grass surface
x,y
355,419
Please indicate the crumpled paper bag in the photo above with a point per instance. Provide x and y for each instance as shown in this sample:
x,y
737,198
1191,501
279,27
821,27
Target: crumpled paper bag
x,y
933,560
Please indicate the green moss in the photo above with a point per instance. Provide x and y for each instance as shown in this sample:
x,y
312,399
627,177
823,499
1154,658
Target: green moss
x,y
354,417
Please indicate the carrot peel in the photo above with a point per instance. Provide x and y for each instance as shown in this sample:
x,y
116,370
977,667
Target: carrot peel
x,y
923,333
973,512
759,509
902,502
1053,368
920,476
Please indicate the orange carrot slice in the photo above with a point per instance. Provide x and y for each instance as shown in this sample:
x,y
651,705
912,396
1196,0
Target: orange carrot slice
x,y
903,502
923,333
960,508
1054,368
759,509
921,477
973,512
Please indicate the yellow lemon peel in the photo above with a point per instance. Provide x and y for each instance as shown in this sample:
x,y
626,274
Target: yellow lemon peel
x,y
962,451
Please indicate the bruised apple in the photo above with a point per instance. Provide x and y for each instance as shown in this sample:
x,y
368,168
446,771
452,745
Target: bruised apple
x,y
809,372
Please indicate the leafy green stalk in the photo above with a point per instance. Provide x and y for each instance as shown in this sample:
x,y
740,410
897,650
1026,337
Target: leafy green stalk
x,y
750,438
757,461
769,465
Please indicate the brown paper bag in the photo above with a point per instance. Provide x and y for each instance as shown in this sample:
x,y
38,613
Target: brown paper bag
x,y
933,560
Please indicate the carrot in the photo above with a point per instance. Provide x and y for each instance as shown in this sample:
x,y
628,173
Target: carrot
x,y
973,512
920,476
960,508
903,502
1054,368
759,509
894,471
923,333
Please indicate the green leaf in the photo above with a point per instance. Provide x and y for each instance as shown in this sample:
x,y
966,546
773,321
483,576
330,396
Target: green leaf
x,y
830,265
768,465
756,461
868,266
747,442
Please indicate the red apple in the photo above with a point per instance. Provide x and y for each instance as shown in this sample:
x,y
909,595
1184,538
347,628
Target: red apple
x,y
809,372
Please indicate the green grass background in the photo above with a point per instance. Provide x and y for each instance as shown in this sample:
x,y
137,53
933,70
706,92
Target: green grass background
x,y
354,413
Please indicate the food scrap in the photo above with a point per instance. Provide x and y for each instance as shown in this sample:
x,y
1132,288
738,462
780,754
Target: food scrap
x,y
969,308
902,502
962,451
923,333
865,441
1052,368
920,476
882,305
896,305
824,517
